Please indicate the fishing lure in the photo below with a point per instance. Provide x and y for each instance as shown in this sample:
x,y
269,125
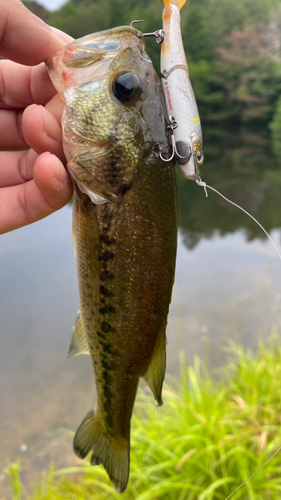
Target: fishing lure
x,y
183,116
182,111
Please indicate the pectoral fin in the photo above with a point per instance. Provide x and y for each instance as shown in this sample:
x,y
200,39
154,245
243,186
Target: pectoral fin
x,y
155,374
79,344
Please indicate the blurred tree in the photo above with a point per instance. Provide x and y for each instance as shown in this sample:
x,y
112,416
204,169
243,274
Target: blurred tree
x,y
38,10
81,17
224,16
249,74
275,127
232,48
196,38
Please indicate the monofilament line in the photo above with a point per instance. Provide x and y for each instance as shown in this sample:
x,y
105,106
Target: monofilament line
x,y
199,182
243,484
205,186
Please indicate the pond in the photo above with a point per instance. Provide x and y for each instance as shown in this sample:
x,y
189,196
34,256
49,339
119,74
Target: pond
x,y
227,287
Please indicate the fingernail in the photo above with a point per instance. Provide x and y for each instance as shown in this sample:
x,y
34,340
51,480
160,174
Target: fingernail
x,y
62,35
61,174
53,129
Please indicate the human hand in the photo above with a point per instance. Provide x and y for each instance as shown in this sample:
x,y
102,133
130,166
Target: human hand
x,y
33,180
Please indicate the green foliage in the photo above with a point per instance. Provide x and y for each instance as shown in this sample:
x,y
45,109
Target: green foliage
x,y
235,76
224,16
207,439
81,19
13,471
275,127
232,47
38,10
195,34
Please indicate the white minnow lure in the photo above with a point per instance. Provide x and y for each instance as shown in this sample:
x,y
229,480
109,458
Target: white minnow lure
x,y
179,97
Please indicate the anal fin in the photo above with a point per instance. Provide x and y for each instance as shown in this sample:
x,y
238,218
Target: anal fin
x,y
78,344
155,374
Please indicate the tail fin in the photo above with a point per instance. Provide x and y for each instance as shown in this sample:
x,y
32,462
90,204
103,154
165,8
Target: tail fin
x,y
178,3
112,452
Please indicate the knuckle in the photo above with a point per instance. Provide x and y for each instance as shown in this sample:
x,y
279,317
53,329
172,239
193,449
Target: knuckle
x,y
2,86
23,166
24,205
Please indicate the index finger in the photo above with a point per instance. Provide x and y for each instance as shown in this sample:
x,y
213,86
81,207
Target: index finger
x,y
24,37
24,85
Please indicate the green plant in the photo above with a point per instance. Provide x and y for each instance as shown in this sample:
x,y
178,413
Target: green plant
x,y
210,436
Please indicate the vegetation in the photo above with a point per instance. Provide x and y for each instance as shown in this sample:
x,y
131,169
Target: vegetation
x,y
233,48
234,56
211,435
275,127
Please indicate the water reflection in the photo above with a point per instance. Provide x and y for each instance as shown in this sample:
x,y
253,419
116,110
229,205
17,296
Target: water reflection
x,y
227,287
241,165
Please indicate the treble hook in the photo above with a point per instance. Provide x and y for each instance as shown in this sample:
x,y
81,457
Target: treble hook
x,y
173,124
174,149
159,34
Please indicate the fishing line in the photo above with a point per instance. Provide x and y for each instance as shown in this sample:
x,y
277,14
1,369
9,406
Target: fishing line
x,y
199,182
243,484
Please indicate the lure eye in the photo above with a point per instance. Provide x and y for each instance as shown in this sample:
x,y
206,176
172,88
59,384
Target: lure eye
x,y
199,156
126,86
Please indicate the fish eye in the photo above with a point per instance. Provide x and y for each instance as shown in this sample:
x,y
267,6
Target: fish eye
x,y
126,86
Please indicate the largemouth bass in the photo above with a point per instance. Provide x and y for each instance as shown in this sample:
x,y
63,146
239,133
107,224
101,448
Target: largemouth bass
x,y
125,229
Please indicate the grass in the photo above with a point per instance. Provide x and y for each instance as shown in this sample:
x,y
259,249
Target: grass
x,y
211,434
